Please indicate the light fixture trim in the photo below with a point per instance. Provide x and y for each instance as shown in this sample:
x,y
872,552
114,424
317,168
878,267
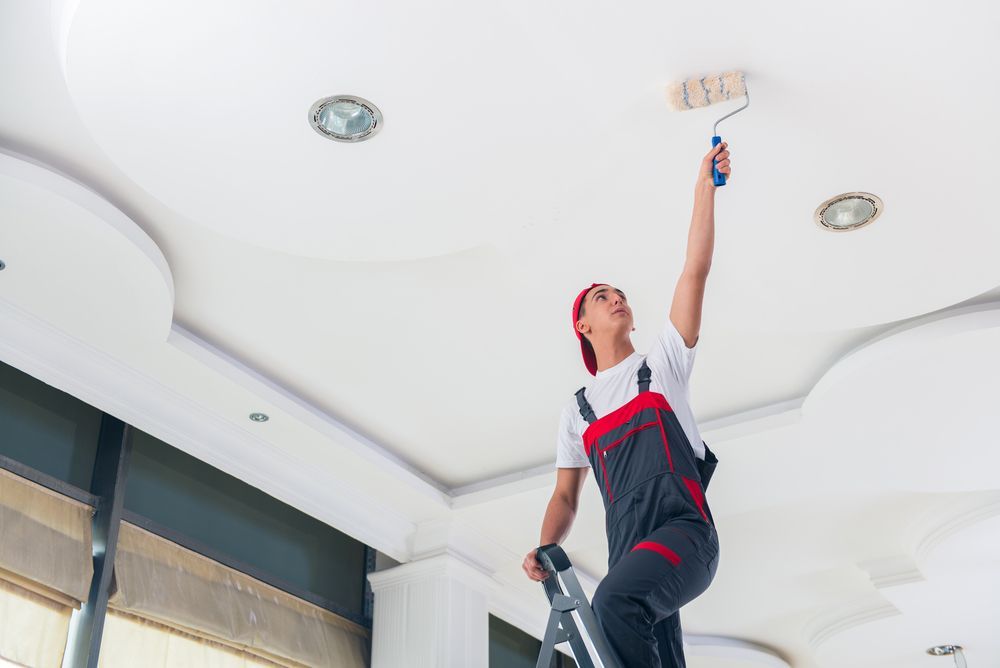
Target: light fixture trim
x,y
874,200
316,112
259,417
944,650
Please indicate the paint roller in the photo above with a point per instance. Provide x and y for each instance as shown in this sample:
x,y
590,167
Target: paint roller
x,y
701,92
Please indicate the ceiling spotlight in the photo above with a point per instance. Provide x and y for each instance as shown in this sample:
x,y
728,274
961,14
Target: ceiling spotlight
x,y
345,118
849,211
3,265
950,650
259,417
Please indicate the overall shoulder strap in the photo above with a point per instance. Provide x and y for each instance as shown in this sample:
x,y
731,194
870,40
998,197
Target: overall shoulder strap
x,y
644,377
585,410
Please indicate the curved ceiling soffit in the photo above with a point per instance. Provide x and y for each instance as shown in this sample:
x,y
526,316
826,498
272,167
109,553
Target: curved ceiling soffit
x,y
842,617
894,402
899,339
941,532
722,647
17,167
895,574
62,13
313,226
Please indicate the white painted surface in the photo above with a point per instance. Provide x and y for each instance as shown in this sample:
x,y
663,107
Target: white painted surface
x,y
183,260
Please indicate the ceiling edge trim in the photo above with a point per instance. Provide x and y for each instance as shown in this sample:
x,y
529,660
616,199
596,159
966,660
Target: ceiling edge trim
x,y
942,531
93,376
37,173
272,392
734,648
937,325
840,618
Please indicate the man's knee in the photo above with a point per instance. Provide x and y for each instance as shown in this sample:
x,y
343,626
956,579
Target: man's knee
x,y
613,601
606,599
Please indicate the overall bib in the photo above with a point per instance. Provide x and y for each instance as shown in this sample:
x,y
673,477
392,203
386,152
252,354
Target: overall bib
x,y
663,549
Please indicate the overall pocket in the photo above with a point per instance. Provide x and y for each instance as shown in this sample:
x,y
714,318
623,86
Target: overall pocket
x,y
634,458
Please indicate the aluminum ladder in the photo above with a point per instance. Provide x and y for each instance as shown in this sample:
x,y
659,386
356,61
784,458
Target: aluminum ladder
x,y
566,596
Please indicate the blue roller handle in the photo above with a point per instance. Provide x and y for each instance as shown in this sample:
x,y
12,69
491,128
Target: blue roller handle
x,y
717,177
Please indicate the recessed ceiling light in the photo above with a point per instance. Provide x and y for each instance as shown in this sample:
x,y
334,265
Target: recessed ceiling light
x,y
950,650
259,417
3,265
849,211
346,118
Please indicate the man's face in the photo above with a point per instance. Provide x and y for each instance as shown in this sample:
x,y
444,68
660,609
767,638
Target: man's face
x,y
605,310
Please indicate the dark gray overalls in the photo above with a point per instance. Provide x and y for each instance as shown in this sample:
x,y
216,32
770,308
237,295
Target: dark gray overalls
x,y
662,546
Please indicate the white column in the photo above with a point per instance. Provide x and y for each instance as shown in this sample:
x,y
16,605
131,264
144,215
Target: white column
x,y
431,613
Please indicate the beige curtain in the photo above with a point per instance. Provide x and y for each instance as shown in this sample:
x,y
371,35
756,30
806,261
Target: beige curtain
x,y
46,539
132,641
162,582
33,628
45,569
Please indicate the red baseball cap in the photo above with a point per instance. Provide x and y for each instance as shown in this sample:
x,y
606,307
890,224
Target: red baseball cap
x,y
589,358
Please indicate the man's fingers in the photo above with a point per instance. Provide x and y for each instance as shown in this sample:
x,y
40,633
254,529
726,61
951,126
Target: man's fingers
x,y
718,153
533,569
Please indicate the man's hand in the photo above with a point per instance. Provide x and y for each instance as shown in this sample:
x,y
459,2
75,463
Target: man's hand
x,y
720,152
533,568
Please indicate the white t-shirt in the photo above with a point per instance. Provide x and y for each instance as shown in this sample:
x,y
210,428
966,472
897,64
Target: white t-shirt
x,y
670,360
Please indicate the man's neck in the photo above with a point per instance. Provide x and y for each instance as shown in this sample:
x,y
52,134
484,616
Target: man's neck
x,y
611,353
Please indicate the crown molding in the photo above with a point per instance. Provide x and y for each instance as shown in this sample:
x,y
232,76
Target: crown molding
x,y
101,380
839,618
942,531
892,571
446,565
270,391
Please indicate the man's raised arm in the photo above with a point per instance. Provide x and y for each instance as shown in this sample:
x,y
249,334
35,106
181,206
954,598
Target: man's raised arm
x,y
685,311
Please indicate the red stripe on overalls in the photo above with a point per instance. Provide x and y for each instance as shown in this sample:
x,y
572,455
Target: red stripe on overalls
x,y
622,415
666,444
662,550
698,494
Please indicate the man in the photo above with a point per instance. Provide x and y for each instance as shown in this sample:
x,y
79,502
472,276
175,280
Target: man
x,y
633,426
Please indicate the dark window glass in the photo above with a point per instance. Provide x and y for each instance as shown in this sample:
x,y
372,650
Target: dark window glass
x,y
47,429
510,647
186,495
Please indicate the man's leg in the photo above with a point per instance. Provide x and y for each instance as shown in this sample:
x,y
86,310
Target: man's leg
x,y
663,572
670,641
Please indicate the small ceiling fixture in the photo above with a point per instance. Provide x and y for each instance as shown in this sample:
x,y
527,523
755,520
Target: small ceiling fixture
x,y
3,265
950,650
849,211
259,417
346,118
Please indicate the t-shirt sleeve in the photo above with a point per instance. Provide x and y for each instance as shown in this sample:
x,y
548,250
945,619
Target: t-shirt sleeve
x,y
670,347
569,442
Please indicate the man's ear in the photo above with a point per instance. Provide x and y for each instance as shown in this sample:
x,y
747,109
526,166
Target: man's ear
x,y
582,327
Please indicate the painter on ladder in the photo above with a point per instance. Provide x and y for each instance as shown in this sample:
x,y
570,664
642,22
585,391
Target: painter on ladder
x,y
633,426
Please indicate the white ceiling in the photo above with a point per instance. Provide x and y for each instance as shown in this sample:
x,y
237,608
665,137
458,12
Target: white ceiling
x,y
400,306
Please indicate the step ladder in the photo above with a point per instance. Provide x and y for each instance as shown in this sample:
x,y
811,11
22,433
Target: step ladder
x,y
566,596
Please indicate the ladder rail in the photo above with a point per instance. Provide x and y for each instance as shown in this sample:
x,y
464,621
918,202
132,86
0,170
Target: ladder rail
x,y
563,603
